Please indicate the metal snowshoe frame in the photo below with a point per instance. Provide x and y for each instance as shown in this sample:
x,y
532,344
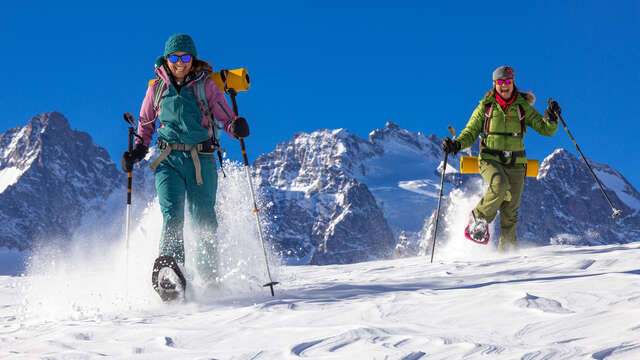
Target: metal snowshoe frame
x,y
167,294
485,238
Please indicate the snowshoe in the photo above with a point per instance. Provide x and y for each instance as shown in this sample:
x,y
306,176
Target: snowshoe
x,y
477,230
167,279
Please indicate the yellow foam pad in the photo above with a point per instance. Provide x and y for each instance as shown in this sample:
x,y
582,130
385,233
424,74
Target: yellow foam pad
x,y
469,165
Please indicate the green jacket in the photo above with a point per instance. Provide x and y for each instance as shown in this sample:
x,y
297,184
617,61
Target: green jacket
x,y
501,122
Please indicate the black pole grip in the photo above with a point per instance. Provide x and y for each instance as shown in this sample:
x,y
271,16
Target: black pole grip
x,y
129,174
232,94
244,152
131,135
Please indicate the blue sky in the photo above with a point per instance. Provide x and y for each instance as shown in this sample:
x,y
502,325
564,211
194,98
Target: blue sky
x,y
349,64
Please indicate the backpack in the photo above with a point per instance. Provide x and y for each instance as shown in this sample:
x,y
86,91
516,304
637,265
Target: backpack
x,y
202,103
204,109
488,110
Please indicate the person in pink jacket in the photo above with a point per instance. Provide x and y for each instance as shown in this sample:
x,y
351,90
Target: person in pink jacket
x,y
189,109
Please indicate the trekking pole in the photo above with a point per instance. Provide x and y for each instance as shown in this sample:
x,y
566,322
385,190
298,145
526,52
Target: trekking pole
x,y
131,121
616,212
232,93
444,170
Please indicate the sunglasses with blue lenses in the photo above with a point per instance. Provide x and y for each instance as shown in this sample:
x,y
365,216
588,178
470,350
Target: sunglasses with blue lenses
x,y
186,58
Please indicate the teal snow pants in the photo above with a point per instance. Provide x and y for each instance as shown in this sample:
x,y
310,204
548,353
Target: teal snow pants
x,y
175,180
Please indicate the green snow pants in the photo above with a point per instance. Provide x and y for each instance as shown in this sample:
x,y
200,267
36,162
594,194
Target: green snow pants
x,y
505,190
175,179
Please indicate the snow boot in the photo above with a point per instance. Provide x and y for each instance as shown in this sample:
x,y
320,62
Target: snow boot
x,y
167,279
477,230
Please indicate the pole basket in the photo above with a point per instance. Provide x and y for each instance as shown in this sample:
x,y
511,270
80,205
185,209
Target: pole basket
x,y
271,285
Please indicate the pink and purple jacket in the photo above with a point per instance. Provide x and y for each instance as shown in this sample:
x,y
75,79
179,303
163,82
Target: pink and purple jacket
x,y
215,98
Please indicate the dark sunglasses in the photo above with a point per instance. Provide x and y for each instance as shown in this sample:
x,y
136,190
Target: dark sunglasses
x,y
503,81
186,58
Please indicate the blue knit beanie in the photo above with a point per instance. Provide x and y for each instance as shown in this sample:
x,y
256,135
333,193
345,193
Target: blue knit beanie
x,y
180,43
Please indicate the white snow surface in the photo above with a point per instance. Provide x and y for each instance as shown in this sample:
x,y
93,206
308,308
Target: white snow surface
x,y
553,302
8,177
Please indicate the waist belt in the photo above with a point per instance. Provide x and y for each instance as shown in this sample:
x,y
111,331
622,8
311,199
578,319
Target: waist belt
x,y
505,154
205,147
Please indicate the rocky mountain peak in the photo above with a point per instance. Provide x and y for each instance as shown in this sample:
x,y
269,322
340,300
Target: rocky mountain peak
x,y
560,162
393,139
331,196
49,176
49,121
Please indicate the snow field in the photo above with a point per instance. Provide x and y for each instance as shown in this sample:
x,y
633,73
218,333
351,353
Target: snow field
x,y
91,278
553,302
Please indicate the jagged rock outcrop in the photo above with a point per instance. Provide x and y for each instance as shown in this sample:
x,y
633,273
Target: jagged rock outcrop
x,y
50,175
328,197
321,214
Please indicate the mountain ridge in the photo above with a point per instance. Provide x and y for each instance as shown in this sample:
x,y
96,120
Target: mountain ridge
x,y
60,173
329,196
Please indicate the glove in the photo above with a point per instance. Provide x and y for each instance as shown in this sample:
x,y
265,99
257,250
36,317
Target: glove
x,y
128,159
239,128
551,112
450,146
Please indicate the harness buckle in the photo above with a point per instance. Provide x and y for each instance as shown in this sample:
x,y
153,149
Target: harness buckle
x,y
507,154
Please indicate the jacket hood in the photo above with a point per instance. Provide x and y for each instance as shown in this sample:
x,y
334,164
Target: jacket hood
x,y
161,73
529,97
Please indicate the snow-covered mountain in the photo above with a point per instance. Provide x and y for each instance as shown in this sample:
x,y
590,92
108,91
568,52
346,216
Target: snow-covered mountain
x,y
564,204
333,192
50,175
402,171
327,197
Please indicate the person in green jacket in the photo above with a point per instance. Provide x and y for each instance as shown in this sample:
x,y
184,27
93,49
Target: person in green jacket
x,y
502,118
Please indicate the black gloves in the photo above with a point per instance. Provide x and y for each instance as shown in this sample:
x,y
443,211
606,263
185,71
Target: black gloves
x,y
239,128
450,146
551,112
138,153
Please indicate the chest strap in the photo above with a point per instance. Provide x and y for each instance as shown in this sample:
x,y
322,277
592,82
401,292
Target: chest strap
x,y
204,147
